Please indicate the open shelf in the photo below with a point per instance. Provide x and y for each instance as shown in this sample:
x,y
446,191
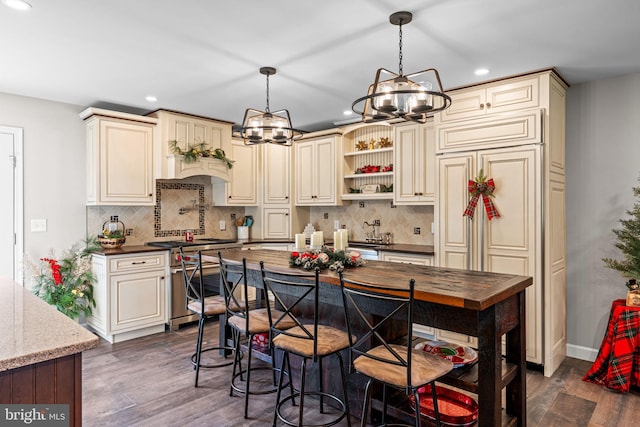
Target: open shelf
x,y
368,175
367,196
364,152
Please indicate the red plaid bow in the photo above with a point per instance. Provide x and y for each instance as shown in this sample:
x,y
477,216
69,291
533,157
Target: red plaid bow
x,y
484,189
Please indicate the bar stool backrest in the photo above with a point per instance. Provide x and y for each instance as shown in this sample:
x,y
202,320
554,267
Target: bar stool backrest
x,y
235,288
292,294
192,277
393,309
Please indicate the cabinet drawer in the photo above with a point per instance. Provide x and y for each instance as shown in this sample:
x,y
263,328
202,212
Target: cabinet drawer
x,y
491,132
137,262
406,258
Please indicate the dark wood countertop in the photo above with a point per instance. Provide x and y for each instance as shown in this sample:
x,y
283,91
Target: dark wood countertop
x,y
133,249
474,290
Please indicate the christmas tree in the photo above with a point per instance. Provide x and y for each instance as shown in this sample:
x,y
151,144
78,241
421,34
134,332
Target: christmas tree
x,y
629,243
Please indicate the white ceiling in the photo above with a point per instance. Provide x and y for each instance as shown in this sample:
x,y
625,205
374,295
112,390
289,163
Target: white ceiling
x,y
202,56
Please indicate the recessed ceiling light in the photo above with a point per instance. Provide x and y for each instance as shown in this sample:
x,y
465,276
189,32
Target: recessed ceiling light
x,y
347,112
17,4
481,72
151,98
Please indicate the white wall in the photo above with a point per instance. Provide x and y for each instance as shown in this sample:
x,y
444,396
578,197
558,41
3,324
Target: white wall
x,y
54,170
603,164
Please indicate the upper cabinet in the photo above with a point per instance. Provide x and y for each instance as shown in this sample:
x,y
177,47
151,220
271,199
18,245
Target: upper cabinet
x,y
120,152
189,131
276,167
242,188
317,175
414,179
368,162
497,97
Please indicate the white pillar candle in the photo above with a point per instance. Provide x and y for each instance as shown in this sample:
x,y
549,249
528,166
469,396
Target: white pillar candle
x,y
301,241
338,241
345,237
317,240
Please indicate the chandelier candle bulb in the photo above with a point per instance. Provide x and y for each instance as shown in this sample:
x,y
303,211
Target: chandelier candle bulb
x,y
301,241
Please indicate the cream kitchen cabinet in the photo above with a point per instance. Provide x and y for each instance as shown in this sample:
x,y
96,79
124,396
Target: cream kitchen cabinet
x,y
498,97
132,295
529,237
120,152
316,171
242,188
276,217
405,258
415,164
189,130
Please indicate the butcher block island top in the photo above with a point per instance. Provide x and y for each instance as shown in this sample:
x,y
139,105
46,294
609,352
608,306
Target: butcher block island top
x,y
34,331
474,290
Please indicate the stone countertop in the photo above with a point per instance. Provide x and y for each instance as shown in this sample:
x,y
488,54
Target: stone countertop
x,y
34,331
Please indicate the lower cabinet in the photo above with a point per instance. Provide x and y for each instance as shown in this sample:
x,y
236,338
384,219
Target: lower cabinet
x,y
405,258
131,295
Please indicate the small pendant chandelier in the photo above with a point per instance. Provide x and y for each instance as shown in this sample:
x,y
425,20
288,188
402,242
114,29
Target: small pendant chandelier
x,y
259,127
413,97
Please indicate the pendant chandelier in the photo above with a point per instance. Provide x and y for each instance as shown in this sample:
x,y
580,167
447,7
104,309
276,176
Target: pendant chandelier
x,y
413,97
259,127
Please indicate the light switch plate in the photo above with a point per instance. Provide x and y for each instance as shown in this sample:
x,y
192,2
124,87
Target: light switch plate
x,y
223,225
38,225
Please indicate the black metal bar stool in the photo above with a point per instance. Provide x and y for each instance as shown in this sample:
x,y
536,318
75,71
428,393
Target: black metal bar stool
x,y
392,365
296,295
245,322
205,307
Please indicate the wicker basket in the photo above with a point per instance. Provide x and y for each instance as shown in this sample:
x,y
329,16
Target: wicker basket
x,y
112,242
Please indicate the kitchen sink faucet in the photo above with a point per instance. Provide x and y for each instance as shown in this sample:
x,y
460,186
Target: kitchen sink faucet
x,y
372,237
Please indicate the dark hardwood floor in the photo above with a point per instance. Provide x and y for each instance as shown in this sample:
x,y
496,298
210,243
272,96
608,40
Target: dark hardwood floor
x,y
149,382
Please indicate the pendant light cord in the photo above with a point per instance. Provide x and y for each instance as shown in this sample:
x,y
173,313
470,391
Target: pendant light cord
x,y
267,109
400,55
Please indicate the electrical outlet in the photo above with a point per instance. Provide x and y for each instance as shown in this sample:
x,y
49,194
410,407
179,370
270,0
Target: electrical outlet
x,y
376,222
233,217
361,204
128,232
114,218
416,230
325,215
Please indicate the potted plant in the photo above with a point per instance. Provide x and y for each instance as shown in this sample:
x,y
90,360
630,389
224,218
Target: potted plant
x,y
67,282
629,243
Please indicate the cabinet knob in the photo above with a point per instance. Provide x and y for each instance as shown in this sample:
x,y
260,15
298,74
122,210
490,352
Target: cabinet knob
x,y
481,106
229,196
286,214
286,197
150,194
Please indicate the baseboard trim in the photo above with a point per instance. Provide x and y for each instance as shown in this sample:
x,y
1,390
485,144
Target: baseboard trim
x,y
583,353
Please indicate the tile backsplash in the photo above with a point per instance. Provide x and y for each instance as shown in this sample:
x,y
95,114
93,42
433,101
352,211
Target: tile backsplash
x,y
400,221
164,221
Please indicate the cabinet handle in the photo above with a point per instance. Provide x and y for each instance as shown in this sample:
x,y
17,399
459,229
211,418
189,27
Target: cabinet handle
x,y
229,196
286,214
286,197
136,263
150,194
481,106
488,105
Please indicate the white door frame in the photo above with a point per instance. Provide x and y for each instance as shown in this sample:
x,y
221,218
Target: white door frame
x,y
18,200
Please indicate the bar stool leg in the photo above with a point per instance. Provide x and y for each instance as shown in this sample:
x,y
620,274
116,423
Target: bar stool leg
x,y
303,374
435,403
367,401
320,382
344,390
199,347
237,363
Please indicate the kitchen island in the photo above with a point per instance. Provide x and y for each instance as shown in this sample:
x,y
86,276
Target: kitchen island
x,y
40,352
485,305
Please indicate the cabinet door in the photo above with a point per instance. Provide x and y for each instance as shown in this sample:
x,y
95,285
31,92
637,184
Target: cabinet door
x,y
277,224
325,171
305,172
406,258
465,104
414,164
242,189
137,300
452,238
276,164
126,163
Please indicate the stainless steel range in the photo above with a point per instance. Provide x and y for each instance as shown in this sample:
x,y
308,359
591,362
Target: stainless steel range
x,y
210,271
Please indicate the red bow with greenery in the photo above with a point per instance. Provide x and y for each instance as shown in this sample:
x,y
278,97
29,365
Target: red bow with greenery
x,y
484,187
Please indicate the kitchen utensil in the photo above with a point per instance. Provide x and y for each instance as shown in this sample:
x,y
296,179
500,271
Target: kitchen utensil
x,y
240,221
248,221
